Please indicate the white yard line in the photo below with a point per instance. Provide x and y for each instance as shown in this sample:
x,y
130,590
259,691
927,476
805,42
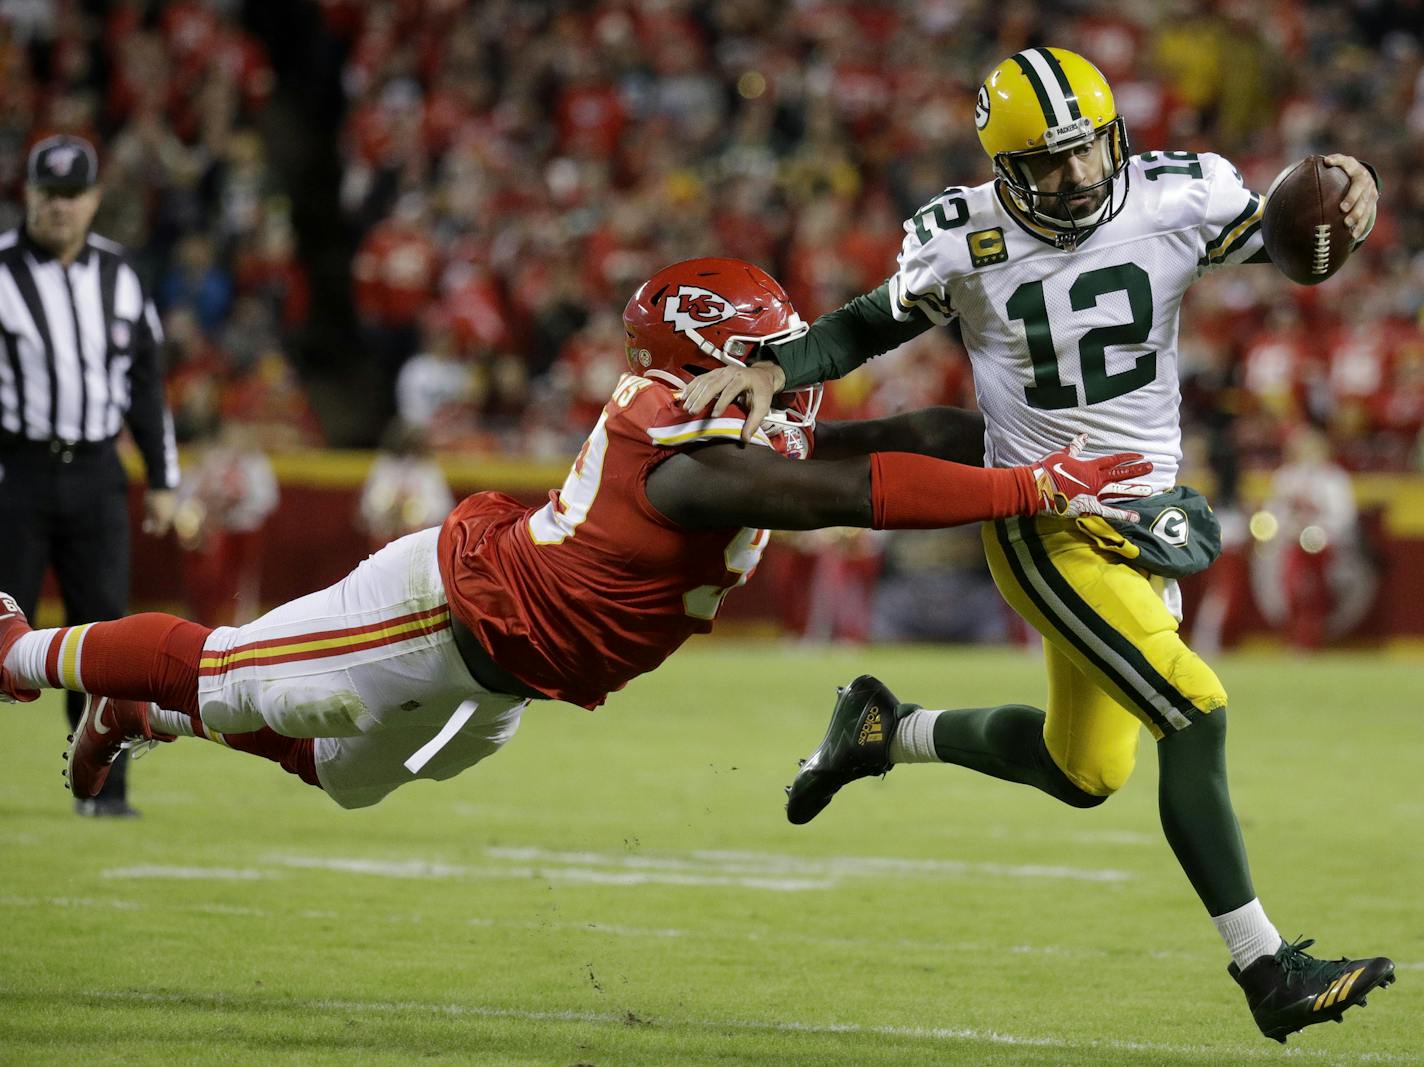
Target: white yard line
x,y
212,874
1212,1053
420,869
764,871
754,870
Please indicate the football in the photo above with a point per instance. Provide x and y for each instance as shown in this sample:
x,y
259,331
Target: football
x,y
1302,226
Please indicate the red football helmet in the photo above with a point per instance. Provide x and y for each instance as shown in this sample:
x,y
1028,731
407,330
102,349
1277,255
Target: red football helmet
x,y
702,314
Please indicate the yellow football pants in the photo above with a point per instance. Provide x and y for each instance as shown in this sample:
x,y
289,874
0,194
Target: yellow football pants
x,y
1115,659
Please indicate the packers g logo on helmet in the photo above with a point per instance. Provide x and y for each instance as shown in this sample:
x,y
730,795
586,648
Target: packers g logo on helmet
x,y
1046,100
981,108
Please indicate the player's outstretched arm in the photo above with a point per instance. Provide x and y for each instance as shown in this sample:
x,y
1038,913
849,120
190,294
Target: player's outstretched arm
x,y
943,432
716,486
835,345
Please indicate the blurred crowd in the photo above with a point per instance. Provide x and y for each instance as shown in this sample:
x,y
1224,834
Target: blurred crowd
x,y
171,94
511,169
515,169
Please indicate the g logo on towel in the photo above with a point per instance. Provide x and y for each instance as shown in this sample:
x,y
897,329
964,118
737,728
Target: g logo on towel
x,y
1172,527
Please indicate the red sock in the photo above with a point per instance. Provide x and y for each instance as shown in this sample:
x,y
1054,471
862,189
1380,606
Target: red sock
x,y
297,755
143,657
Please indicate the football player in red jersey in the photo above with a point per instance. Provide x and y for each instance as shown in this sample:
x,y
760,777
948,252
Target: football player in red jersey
x,y
420,662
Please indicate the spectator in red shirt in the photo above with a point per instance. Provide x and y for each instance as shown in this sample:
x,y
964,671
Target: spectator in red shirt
x,y
395,270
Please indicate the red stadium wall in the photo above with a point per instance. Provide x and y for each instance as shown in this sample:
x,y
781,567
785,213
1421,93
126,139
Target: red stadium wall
x,y
312,541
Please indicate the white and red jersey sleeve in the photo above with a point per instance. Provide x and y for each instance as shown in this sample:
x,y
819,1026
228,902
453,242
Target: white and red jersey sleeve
x,y
579,596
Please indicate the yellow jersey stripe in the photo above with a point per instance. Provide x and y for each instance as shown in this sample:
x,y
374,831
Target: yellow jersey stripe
x,y
385,635
1224,247
690,431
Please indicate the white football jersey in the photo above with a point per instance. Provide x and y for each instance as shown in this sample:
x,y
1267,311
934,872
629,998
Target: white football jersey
x,y
1082,341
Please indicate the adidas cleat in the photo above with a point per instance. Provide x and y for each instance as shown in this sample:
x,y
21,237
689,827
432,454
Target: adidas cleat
x,y
1291,990
856,745
106,728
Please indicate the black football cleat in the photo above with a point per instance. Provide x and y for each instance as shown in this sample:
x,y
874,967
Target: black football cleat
x,y
856,745
1291,990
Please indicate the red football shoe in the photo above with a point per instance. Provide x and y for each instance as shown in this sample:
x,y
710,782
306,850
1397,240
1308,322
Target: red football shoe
x,y
13,626
106,728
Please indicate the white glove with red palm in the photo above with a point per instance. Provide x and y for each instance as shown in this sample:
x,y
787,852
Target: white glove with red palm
x,y
1070,485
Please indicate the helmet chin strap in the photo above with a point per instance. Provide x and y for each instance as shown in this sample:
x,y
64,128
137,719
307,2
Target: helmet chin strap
x,y
665,376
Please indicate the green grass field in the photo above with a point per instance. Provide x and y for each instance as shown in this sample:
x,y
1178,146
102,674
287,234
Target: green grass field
x,y
622,888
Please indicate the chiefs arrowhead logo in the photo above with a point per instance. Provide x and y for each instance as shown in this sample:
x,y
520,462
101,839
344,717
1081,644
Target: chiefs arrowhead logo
x,y
691,308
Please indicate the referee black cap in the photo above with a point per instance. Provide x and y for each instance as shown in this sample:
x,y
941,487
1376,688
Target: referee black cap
x,y
64,163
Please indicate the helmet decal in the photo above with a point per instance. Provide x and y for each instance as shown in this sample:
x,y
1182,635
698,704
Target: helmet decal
x,y
981,108
693,307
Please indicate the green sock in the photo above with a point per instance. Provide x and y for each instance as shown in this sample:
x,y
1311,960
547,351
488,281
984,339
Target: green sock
x,y
1007,743
1197,817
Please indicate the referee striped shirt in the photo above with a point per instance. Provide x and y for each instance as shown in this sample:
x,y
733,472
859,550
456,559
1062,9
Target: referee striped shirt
x,y
79,352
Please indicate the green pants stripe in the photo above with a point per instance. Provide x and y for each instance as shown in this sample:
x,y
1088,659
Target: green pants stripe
x,y
1093,635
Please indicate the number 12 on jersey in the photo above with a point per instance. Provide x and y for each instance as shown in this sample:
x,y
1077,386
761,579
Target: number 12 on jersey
x,y
1048,391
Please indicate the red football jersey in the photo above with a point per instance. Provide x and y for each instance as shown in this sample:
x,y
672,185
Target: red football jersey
x,y
596,587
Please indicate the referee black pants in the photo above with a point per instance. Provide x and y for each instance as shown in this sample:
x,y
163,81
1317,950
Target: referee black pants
x,y
67,508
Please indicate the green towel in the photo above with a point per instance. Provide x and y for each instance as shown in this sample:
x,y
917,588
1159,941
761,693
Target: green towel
x,y
1177,533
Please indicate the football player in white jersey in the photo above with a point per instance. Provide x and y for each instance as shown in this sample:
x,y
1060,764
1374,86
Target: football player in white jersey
x,y
1066,274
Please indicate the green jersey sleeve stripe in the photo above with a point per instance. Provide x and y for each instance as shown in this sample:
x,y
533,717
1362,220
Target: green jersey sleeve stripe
x,y
909,300
1252,207
1239,243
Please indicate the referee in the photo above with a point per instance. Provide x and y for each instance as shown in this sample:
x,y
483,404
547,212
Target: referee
x,y
78,358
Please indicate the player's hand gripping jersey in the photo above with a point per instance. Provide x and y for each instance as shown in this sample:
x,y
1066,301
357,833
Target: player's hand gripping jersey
x,y
1067,342
580,596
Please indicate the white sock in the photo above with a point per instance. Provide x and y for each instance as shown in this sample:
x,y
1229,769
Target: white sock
x,y
913,741
1248,934
165,721
26,659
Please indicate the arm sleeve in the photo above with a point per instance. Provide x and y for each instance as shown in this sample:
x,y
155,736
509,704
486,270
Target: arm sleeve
x,y
842,340
716,486
910,492
148,417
